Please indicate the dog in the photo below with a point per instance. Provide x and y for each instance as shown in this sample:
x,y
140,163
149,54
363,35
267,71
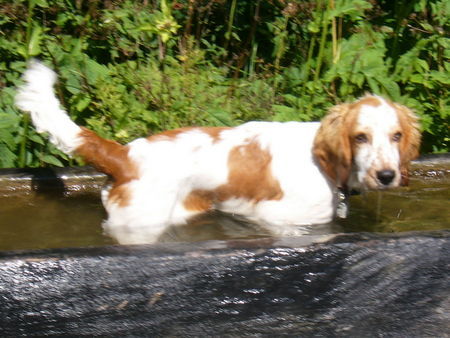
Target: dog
x,y
271,173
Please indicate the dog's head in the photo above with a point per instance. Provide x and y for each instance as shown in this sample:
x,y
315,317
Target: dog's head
x,y
367,144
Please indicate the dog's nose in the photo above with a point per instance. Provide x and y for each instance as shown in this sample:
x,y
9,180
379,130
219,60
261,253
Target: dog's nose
x,y
385,176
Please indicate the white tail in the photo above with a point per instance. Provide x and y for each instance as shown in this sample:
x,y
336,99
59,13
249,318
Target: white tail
x,y
37,97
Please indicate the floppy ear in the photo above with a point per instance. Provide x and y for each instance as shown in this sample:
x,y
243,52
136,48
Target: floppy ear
x,y
410,141
332,148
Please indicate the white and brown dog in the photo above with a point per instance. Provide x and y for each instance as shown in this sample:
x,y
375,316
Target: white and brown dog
x,y
272,173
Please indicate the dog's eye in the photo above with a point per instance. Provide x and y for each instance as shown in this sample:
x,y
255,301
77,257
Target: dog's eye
x,y
397,137
361,138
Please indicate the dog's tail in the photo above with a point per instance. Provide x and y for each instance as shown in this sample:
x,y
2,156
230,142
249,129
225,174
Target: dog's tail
x,y
38,98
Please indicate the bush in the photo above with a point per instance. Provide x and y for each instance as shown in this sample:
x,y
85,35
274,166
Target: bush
x,y
128,68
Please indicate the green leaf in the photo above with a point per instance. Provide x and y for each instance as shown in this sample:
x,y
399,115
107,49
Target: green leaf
x,y
422,65
50,159
220,117
353,8
35,40
8,123
313,27
283,113
7,138
291,99
95,71
7,157
82,102
165,9
374,88
73,84
442,77
37,138
426,26
41,3
22,51
391,88
417,78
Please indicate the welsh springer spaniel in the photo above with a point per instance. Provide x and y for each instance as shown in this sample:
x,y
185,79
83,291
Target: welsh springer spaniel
x,y
272,173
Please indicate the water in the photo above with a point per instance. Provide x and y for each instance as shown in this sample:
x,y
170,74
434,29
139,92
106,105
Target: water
x,y
422,206
49,220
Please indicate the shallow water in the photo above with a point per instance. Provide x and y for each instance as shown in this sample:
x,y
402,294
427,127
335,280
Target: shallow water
x,y
47,220
424,205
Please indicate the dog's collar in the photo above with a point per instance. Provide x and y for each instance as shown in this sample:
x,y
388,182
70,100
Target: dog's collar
x,y
343,194
342,203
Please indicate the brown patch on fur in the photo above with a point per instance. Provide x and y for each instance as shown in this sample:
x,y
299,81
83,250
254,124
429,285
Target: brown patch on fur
x,y
168,134
367,100
120,195
214,132
249,177
332,147
410,141
334,143
199,200
111,158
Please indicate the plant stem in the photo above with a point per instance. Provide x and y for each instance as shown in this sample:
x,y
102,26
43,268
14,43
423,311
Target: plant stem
x,y
230,24
23,141
252,62
253,42
323,40
190,17
281,47
26,117
320,56
336,33
402,11
312,45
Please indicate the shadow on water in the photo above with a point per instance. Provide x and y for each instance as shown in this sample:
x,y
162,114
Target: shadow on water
x,y
46,181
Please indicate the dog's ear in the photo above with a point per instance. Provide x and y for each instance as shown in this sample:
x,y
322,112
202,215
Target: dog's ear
x,y
410,141
332,148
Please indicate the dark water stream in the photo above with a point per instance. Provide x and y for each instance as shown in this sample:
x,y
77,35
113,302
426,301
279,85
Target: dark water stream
x,y
48,220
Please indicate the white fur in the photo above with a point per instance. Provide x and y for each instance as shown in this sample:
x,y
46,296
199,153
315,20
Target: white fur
x,y
381,153
37,97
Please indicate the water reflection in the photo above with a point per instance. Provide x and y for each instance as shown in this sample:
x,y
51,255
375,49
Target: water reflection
x,y
424,205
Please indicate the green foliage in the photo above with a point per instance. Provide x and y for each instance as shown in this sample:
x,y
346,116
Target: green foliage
x,y
345,63
129,68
